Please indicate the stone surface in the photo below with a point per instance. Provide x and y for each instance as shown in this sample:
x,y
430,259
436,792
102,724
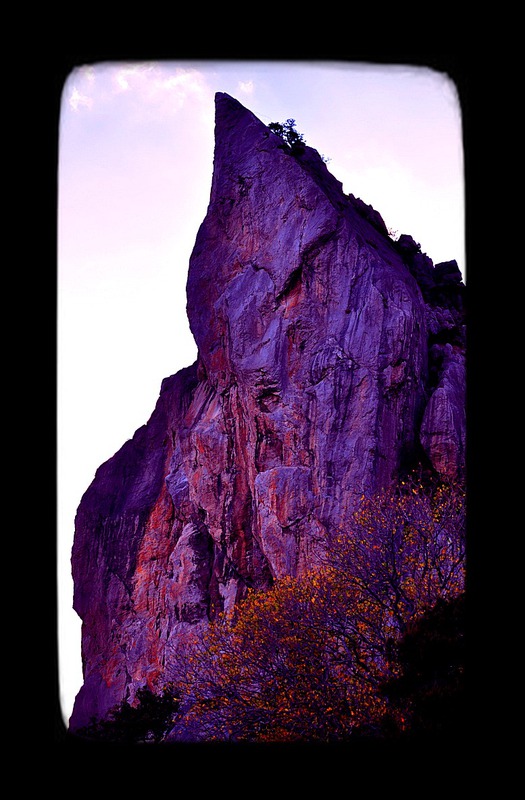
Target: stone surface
x,y
329,358
443,428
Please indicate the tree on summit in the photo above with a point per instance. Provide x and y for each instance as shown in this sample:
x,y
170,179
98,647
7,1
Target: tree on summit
x,y
289,134
295,140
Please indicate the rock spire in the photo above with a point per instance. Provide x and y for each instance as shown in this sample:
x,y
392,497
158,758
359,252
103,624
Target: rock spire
x,y
329,358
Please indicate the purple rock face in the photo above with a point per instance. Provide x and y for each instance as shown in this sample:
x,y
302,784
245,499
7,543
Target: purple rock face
x,y
330,357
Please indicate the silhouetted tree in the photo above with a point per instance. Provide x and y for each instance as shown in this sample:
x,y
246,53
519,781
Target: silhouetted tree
x,y
430,691
289,134
147,721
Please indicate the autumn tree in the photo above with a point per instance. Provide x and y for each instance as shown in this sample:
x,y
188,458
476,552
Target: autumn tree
x,y
308,659
280,671
405,550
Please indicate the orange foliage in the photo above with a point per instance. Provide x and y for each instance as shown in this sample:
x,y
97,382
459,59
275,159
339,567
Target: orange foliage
x,y
305,660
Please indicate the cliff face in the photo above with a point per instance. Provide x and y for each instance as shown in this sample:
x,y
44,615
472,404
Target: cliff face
x,y
330,358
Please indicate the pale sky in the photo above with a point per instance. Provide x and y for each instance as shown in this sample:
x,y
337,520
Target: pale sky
x,y
134,177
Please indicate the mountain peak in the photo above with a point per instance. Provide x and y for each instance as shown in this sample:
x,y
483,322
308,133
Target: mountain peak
x,y
323,371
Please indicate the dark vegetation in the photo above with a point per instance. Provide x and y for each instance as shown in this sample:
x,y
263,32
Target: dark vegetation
x,y
288,133
431,688
291,137
147,720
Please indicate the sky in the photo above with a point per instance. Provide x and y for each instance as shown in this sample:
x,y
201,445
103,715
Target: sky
x,y
135,162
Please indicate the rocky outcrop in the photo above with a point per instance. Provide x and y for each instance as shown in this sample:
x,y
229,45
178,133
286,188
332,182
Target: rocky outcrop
x,y
329,359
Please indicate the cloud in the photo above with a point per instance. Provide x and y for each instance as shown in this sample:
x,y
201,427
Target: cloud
x,y
122,78
76,99
78,92
158,91
246,87
150,90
